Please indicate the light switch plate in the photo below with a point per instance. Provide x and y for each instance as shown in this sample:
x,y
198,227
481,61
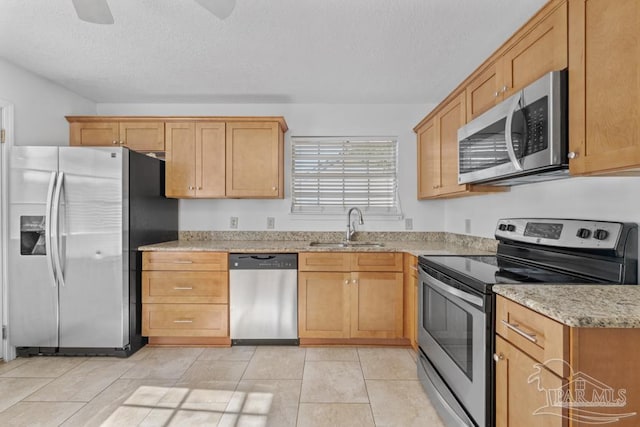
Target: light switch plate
x,y
408,223
271,223
233,222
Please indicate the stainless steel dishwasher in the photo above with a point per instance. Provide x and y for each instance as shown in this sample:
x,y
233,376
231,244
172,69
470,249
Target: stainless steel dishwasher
x,y
263,299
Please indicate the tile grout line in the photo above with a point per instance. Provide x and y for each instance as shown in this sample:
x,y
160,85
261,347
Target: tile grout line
x,y
366,387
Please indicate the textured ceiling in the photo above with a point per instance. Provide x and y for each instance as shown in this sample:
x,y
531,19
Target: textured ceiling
x,y
298,51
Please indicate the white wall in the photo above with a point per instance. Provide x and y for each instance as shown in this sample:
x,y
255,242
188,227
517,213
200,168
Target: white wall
x,y
602,198
39,106
307,120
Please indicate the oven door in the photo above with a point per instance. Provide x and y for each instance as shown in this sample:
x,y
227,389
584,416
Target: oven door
x,y
452,334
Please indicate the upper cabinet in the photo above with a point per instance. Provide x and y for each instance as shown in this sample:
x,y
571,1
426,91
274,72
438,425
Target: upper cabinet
x,y
438,151
538,48
604,87
195,159
139,135
206,157
233,158
255,160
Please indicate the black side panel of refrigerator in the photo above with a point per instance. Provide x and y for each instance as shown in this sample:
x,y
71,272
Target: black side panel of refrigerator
x,y
152,219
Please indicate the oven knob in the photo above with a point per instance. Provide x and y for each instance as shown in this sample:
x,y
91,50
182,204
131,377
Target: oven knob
x,y
600,234
583,233
511,227
502,227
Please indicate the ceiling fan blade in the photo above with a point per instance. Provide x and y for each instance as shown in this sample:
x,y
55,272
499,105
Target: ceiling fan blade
x,y
221,8
94,11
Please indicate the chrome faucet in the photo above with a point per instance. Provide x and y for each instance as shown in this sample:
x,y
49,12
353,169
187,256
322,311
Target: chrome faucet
x,y
351,226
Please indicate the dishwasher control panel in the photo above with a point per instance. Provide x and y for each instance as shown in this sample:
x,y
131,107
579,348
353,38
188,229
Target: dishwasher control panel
x,y
263,261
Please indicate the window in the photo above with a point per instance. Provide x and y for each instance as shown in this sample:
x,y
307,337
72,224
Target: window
x,y
330,175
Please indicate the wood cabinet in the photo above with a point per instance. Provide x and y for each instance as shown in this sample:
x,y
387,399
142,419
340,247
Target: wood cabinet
x,y
549,374
195,159
604,87
350,297
185,298
241,159
411,299
255,160
538,48
138,135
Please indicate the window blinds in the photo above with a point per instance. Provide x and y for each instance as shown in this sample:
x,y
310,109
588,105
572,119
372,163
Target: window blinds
x,y
331,174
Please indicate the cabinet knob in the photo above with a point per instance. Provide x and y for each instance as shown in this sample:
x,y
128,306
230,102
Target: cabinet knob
x,y
496,94
504,89
274,188
191,188
346,282
498,357
199,188
572,155
114,142
354,281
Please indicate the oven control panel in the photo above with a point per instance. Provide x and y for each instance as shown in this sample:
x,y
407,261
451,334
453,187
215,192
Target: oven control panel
x,y
568,233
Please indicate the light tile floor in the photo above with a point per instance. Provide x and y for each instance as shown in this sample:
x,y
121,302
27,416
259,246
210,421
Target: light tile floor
x,y
237,386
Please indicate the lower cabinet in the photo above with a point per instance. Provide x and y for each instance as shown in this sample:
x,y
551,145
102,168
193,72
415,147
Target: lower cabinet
x,y
549,374
350,296
185,298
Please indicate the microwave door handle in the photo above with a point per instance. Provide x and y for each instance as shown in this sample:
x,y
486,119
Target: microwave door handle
x,y
507,132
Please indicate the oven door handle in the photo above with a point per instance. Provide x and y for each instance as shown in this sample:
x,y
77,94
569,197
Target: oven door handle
x,y
473,299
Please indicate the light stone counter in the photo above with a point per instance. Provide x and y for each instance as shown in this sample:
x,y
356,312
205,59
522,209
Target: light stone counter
x,y
583,306
416,243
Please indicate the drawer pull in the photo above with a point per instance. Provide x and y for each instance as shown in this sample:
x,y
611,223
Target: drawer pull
x,y
183,288
178,261
183,321
514,328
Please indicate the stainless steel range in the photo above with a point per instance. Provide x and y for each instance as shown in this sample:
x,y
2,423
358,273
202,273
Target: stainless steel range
x,y
456,324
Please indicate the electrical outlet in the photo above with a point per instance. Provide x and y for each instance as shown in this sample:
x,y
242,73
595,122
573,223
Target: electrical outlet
x,y
271,223
467,226
233,222
408,223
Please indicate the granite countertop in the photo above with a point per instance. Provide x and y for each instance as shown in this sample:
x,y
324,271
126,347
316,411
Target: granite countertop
x,y
582,306
283,246
416,243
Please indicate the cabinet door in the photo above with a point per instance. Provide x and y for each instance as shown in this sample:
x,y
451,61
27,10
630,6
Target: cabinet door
x,y
428,161
142,136
323,305
542,50
180,177
103,134
523,387
255,160
450,120
210,159
376,305
199,287
483,92
604,86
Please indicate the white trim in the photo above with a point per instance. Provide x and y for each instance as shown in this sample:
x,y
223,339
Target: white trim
x,y
7,351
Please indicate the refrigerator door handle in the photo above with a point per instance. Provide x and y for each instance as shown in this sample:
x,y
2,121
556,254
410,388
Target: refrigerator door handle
x,y
47,230
55,235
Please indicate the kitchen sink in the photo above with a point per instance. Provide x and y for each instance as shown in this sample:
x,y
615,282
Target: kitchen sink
x,y
346,244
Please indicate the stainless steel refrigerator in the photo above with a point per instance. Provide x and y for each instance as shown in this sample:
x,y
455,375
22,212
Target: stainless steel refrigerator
x,y
77,216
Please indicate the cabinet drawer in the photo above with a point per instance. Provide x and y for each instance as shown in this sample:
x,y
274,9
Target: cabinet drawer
x,y
538,336
376,261
185,287
324,261
166,320
209,261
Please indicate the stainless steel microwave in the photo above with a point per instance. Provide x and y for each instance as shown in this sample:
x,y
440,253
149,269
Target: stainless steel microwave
x,y
522,139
